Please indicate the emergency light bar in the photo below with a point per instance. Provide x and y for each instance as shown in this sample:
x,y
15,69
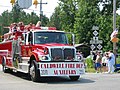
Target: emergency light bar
x,y
45,28
48,28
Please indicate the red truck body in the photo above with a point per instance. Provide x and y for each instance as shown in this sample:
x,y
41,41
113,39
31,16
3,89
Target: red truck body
x,y
36,52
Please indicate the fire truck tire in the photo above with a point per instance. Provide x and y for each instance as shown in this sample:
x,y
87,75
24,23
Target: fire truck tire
x,y
74,78
5,70
34,72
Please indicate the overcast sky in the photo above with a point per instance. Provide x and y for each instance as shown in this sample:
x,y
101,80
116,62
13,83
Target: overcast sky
x,y
47,9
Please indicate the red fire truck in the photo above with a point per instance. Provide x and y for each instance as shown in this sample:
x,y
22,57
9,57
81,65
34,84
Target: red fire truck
x,y
40,52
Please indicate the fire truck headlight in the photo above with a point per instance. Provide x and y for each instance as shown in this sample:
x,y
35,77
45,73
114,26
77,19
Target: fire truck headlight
x,y
43,58
78,58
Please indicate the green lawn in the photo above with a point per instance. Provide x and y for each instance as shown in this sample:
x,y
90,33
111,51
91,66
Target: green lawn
x,y
90,70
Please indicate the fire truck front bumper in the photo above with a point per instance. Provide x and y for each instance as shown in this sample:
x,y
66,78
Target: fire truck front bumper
x,y
61,68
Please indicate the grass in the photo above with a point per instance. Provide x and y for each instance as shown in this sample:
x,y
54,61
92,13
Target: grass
x,y
90,70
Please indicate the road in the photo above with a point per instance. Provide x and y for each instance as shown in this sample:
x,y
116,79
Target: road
x,y
89,81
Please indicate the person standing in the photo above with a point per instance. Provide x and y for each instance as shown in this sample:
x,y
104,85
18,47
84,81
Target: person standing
x,y
94,58
98,62
111,62
104,63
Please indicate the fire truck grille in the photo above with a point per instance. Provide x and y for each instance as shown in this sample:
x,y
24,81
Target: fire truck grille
x,y
59,54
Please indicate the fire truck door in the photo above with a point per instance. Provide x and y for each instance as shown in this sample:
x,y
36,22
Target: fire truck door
x,y
26,50
27,47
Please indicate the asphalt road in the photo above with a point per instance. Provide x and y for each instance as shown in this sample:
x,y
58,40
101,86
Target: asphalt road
x,y
89,81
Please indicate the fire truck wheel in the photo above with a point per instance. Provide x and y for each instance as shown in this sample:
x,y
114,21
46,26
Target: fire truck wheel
x,y
74,78
5,70
34,73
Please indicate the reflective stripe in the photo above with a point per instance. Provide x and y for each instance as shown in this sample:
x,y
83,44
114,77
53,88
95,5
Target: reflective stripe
x,y
25,57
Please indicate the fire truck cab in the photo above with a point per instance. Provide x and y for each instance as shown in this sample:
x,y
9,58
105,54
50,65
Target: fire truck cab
x,y
41,52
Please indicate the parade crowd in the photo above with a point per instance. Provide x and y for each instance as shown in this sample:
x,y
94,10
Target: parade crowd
x,y
104,63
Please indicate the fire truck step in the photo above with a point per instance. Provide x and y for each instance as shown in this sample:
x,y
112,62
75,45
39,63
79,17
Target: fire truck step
x,y
24,64
23,67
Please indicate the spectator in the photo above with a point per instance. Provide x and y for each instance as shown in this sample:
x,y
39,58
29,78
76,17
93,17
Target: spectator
x,y
98,62
94,58
111,61
104,62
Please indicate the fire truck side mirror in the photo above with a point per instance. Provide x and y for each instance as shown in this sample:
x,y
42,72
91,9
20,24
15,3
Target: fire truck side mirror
x,y
73,39
30,38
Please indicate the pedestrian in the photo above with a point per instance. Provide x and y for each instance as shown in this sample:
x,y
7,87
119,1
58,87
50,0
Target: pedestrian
x,y
111,61
94,58
104,63
98,62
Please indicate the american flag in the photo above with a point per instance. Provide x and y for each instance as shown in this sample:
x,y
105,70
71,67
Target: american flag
x,y
114,33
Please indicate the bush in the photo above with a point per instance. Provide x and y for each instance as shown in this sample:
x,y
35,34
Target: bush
x,y
89,62
118,60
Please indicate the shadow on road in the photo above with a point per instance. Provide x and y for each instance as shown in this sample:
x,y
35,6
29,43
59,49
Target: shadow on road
x,y
53,80
65,80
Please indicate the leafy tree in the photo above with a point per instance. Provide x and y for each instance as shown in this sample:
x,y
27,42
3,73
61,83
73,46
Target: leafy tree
x,y
68,10
16,12
86,17
106,22
55,19
18,15
105,28
45,20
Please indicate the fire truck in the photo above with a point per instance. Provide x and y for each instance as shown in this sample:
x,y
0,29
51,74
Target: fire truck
x,y
40,52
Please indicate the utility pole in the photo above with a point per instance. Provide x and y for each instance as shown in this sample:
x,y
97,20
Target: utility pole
x,y
114,26
41,12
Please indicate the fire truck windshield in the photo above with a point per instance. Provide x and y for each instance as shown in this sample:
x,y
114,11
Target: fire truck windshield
x,y
50,37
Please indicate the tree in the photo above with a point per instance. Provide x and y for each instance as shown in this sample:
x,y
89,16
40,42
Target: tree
x,y
106,22
16,12
68,10
45,20
86,17
7,18
55,19
105,26
107,6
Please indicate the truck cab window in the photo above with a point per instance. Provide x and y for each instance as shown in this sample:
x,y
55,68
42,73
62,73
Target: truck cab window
x,y
50,37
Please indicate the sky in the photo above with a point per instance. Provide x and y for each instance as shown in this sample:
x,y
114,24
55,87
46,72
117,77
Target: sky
x,y
47,9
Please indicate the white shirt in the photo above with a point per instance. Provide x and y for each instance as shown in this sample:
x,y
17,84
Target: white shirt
x,y
104,59
112,59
